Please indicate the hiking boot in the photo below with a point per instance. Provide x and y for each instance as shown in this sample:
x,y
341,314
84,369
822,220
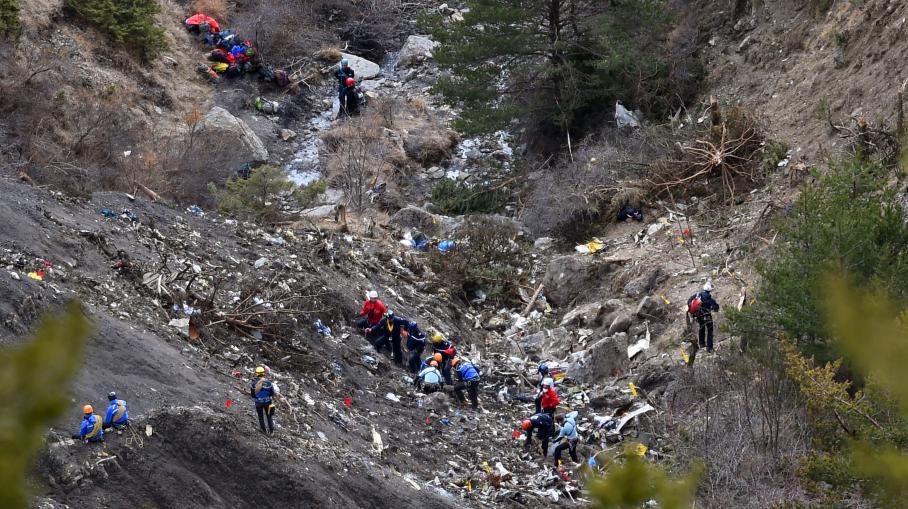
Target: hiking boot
x,y
710,350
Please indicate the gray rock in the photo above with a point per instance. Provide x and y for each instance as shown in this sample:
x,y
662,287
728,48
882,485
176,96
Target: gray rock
x,y
287,134
569,276
621,323
364,69
430,147
585,315
650,309
644,284
612,305
438,402
413,217
600,361
550,343
235,133
415,51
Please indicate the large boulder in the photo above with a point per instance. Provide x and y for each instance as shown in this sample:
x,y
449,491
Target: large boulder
x,y
234,132
650,309
645,283
412,217
621,323
602,360
585,315
363,69
569,276
415,51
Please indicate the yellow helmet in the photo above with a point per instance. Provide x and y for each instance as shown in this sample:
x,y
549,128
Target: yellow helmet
x,y
87,409
259,371
437,338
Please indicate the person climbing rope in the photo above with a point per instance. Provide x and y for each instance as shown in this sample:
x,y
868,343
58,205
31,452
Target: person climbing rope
x,y
263,391
372,312
467,378
568,433
429,379
544,426
117,416
416,344
548,400
701,305
343,72
448,352
91,429
388,333
349,100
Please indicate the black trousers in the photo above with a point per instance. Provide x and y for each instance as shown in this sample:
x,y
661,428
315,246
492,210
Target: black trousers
x,y
706,329
415,359
571,446
394,342
472,388
265,410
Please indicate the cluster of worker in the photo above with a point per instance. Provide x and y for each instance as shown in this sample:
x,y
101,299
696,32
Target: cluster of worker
x,y
92,428
386,331
232,56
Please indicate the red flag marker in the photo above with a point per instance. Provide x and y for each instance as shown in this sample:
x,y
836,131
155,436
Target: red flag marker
x,y
428,420
516,434
229,403
348,402
685,232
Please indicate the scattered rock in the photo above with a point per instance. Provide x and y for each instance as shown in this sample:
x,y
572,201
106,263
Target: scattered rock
x,y
320,212
587,314
430,147
413,217
415,51
438,402
554,342
287,134
234,132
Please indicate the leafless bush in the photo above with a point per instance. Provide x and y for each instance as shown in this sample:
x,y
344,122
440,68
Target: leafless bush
x,y
357,154
285,29
742,418
217,9
727,153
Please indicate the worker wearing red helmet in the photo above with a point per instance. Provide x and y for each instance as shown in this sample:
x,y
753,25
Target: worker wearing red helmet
x,y
349,100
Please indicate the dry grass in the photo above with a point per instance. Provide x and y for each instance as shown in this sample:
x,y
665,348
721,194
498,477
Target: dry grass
x,y
417,105
217,9
330,55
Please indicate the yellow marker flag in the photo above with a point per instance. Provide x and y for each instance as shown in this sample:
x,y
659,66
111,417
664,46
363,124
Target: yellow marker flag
x,y
685,357
665,300
488,468
633,389
641,450
469,485
434,221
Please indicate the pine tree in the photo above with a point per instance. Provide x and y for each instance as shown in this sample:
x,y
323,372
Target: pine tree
x,y
129,22
551,63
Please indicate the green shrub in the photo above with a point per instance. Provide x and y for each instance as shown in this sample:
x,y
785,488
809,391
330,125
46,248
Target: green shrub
x,y
306,196
847,222
773,153
453,198
9,17
257,197
129,22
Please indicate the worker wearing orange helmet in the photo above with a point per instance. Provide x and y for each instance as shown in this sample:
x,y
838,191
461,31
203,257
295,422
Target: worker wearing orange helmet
x,y
429,379
544,426
92,426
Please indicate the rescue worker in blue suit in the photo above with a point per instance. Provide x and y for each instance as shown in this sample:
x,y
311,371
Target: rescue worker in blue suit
x,y
544,426
343,72
467,378
117,416
568,433
263,391
91,429
703,312
448,352
429,379
388,331
416,344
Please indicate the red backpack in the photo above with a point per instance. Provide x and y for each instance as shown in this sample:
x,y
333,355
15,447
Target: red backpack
x,y
694,305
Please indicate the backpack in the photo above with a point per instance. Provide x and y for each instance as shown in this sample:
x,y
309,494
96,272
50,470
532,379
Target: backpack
x,y
695,305
220,67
